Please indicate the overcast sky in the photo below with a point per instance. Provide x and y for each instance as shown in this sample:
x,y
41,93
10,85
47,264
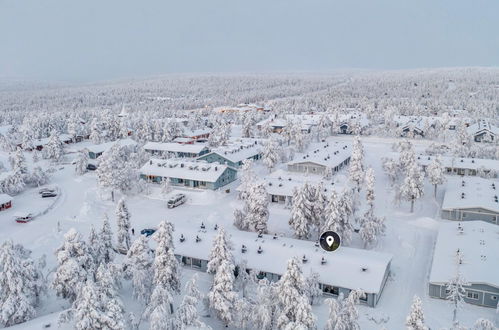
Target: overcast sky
x,y
86,40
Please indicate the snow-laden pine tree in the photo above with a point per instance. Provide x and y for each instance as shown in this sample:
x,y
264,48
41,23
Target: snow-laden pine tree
x,y
370,182
392,169
81,162
332,214
222,297
166,266
263,313
115,171
21,285
166,187
317,202
300,219
413,187
255,213
436,173
270,154
323,127
87,309
38,177
220,252
248,178
407,157
338,213
123,225
293,304
415,319
105,252
356,168
95,132
111,303
74,266
54,149
342,311
484,324
138,267
19,165
160,309
371,228
455,288
312,287
187,315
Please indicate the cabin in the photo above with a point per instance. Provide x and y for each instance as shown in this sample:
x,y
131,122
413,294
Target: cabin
x,y
477,243
325,158
340,272
197,135
483,131
352,122
463,166
96,150
5,202
176,150
471,198
190,174
234,153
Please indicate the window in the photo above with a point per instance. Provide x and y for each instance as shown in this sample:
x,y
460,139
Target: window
x,y
196,263
363,297
330,289
472,295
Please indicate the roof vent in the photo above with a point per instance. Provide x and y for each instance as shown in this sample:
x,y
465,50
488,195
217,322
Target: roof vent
x,y
260,250
182,238
462,195
198,239
243,249
364,269
323,261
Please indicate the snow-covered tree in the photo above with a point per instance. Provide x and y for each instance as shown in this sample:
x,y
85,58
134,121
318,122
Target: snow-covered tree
x,y
371,227
455,288
248,178
166,266
294,306
105,253
356,169
300,219
54,149
187,315
81,162
74,267
342,312
324,127
263,312
270,155
123,225
337,216
114,171
313,289
412,187
370,181
436,173
88,313
138,267
484,324
21,285
160,310
415,319
255,213
38,177
222,296
166,187
107,288
392,169
95,132
220,252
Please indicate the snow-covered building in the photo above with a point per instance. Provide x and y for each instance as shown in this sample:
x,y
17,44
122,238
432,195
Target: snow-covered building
x,y
193,174
243,107
471,198
463,166
483,131
280,185
5,202
321,157
234,153
176,149
96,150
39,144
197,135
351,122
344,270
478,244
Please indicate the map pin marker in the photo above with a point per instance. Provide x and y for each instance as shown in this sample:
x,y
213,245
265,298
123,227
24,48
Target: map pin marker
x,y
330,240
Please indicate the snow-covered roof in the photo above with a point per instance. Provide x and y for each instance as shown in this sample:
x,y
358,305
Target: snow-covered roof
x,y
243,107
478,241
282,183
482,126
238,151
343,268
180,168
44,141
4,198
471,192
329,154
175,147
98,148
459,162
196,132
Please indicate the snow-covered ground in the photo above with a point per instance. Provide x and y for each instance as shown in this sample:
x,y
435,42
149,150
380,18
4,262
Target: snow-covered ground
x,y
410,237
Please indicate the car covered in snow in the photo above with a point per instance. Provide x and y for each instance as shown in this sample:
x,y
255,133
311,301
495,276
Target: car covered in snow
x,y
23,217
148,231
49,194
44,190
176,200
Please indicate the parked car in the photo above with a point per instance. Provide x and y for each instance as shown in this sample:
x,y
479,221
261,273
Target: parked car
x,y
46,190
23,217
91,167
176,200
148,232
49,194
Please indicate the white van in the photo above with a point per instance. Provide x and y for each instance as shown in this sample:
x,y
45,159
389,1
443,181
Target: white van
x,y
176,200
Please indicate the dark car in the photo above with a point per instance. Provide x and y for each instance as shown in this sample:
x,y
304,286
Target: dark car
x,y
148,232
91,167
48,194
